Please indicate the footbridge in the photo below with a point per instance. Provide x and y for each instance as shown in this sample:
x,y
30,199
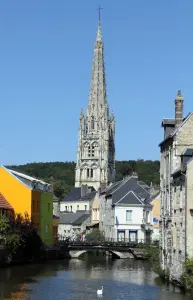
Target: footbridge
x,y
118,249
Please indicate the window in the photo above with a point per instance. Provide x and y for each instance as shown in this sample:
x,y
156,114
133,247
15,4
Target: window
x,y
92,123
47,229
89,151
87,173
66,208
93,150
91,173
49,207
85,207
71,208
128,215
77,207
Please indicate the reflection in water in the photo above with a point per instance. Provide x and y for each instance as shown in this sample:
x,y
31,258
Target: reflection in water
x,y
80,279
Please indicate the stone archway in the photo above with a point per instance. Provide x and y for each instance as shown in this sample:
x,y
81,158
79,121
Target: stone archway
x,y
118,254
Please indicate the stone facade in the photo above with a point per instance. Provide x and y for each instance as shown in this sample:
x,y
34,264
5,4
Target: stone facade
x,y
173,231
96,148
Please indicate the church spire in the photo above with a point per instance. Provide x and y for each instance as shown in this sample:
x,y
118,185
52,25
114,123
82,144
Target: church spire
x,y
99,33
97,95
96,150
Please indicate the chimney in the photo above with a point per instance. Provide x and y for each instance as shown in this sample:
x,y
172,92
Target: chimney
x,y
179,103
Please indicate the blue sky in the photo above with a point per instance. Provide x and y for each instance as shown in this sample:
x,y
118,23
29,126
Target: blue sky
x,y
45,70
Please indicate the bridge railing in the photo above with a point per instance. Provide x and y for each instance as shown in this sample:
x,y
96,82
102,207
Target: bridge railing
x,y
109,241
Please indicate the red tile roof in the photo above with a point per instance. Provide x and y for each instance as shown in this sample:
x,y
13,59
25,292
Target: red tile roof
x,y
4,203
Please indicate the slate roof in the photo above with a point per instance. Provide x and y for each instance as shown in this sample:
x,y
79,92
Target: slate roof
x,y
81,219
30,182
88,196
4,203
113,187
74,218
154,196
129,191
75,195
188,152
130,198
168,122
27,177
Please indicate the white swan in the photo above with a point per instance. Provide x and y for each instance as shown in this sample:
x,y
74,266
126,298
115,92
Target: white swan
x,y
100,292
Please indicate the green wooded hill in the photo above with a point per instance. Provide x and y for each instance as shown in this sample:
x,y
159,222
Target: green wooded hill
x,y
62,173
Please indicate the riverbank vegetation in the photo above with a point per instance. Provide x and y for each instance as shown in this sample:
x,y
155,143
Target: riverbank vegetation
x,y
19,240
153,253
187,277
61,174
186,281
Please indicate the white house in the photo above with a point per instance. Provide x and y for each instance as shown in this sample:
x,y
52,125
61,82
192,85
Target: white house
x,y
125,212
72,224
80,198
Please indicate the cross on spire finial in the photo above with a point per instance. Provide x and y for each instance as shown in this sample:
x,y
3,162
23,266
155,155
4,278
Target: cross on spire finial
x,y
99,9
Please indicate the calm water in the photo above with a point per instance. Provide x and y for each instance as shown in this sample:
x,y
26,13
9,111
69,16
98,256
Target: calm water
x,y
79,280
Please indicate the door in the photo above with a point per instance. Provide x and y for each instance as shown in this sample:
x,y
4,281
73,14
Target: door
x,y
121,235
133,236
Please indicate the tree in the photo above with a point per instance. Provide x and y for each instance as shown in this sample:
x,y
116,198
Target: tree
x,y
20,236
4,225
61,174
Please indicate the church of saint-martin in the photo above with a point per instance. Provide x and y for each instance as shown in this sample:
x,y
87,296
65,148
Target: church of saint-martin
x,y
95,165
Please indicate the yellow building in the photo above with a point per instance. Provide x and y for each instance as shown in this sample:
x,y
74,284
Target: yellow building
x,y
95,210
29,196
155,202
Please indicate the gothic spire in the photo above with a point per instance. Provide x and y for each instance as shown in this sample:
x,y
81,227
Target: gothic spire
x,y
99,33
97,96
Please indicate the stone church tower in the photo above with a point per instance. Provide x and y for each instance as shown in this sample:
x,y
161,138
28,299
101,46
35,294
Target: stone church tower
x,y
96,136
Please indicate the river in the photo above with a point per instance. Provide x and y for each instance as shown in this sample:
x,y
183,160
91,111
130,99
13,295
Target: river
x,y
80,279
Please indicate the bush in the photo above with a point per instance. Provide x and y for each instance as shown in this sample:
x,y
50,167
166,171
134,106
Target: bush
x,y
21,238
187,277
95,236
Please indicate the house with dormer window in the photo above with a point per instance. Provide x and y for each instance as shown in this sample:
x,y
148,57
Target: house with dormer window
x,y
125,211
